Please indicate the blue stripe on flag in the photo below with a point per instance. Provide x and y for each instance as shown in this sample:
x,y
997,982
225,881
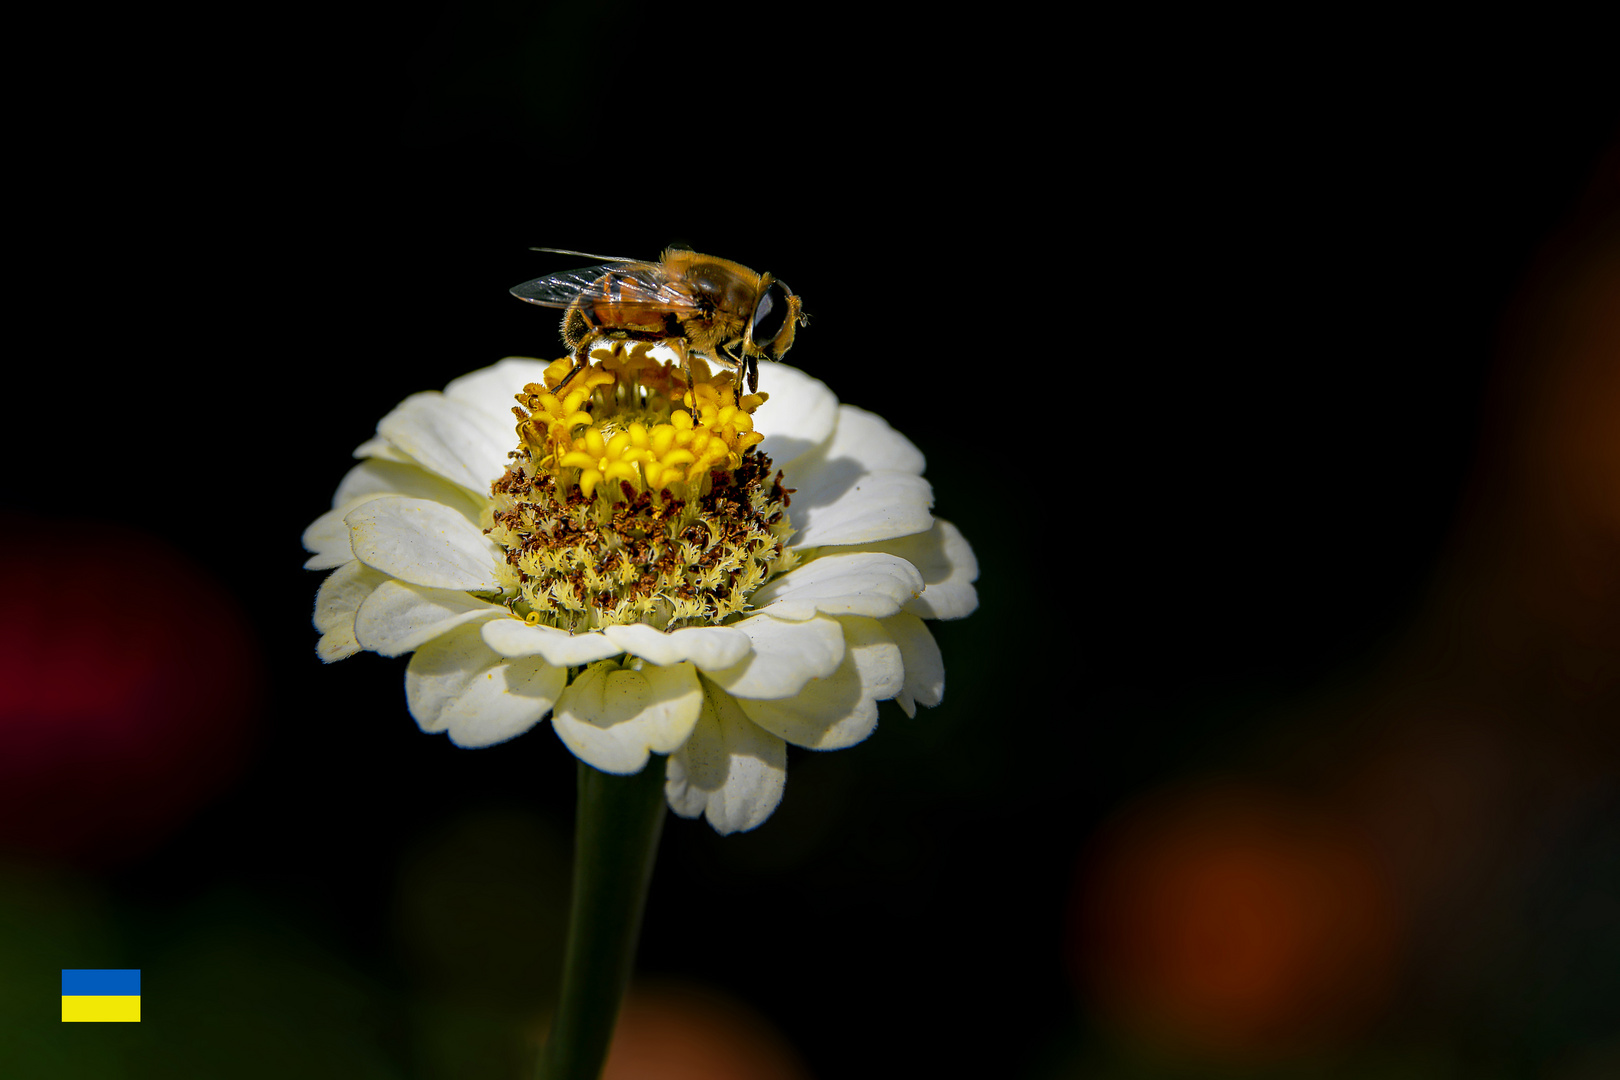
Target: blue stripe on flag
x,y
81,982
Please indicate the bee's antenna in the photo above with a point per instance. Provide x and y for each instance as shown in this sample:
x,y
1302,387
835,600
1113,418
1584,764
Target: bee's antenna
x,y
584,254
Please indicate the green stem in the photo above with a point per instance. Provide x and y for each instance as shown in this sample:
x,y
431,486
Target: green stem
x,y
616,833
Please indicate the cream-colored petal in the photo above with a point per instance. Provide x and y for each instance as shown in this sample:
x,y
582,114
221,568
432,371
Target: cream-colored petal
x,y
399,617
450,438
613,718
925,667
876,655
441,670
948,567
709,647
786,655
512,637
425,543
800,415
493,390
503,702
840,710
836,502
340,596
456,683
380,449
371,479
729,769
871,583
328,537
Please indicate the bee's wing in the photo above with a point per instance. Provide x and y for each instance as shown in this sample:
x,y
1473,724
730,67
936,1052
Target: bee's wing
x,y
559,290
643,286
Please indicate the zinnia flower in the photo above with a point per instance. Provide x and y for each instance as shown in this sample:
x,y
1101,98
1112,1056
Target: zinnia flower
x,y
640,568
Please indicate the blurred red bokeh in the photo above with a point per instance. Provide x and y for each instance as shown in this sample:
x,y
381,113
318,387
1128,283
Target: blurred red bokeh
x,y
1233,924
127,680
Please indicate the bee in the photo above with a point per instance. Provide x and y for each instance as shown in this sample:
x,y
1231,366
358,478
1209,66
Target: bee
x,y
695,304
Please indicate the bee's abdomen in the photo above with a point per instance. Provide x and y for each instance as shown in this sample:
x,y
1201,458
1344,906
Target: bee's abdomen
x,y
585,322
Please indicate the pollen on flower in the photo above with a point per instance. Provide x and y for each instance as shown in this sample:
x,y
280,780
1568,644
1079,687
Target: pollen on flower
x,y
638,496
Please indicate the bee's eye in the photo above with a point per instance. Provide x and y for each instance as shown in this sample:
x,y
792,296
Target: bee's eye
x,y
769,314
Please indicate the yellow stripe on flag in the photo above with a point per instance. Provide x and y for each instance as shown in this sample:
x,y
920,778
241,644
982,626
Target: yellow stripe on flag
x,y
108,1008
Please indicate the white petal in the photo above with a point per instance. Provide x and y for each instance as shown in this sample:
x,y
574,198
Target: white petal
x,y
493,390
925,667
612,718
857,583
786,656
867,438
835,502
328,537
399,617
709,647
511,637
948,566
340,596
729,768
370,479
456,683
863,484
840,710
450,438
801,414
425,543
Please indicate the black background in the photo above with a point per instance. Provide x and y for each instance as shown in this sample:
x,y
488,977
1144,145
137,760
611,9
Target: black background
x,y
1195,325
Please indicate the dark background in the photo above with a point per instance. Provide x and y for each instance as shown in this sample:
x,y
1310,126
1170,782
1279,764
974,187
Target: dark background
x,y
1197,327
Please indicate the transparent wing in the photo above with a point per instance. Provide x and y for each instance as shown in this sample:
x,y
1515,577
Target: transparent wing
x,y
641,286
559,290
586,255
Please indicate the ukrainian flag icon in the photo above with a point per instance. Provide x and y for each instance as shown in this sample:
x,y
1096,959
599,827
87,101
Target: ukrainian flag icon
x,y
101,994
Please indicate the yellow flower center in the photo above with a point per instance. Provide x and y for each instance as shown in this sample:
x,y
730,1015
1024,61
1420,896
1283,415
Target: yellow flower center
x,y
635,497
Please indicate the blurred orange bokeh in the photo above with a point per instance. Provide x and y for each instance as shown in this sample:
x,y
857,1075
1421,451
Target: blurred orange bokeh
x,y
1235,924
674,1031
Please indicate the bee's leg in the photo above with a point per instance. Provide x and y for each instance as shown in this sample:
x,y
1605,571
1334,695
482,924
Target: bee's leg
x,y
739,367
678,347
579,334
581,362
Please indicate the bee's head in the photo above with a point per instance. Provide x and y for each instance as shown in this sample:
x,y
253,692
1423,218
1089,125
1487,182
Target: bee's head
x,y
776,315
